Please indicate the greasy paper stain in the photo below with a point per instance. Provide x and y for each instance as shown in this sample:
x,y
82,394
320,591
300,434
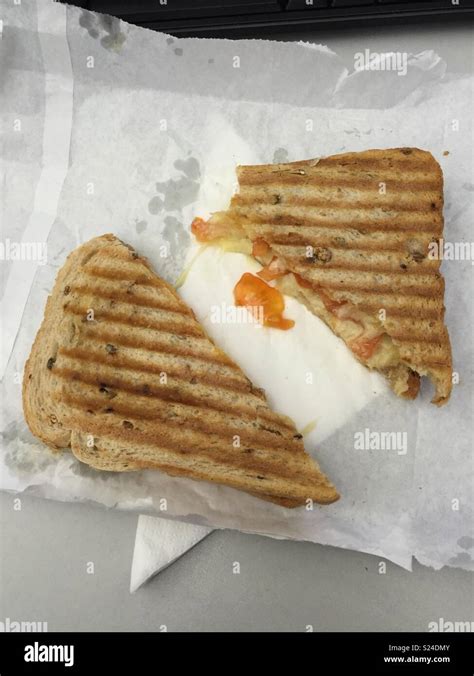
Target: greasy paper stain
x,y
177,193
155,205
140,226
175,242
173,195
23,455
88,21
97,24
280,156
357,132
189,167
462,559
177,236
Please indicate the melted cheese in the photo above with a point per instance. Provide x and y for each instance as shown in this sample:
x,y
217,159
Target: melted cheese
x,y
363,327
185,271
243,246
307,429
359,326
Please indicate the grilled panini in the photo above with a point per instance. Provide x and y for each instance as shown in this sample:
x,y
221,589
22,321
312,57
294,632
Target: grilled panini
x,y
122,373
349,236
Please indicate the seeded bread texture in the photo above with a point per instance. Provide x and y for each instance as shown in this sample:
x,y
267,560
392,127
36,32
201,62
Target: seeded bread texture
x,y
368,220
123,374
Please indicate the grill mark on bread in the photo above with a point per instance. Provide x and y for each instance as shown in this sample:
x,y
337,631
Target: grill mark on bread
x,y
377,261
155,370
130,290
365,281
429,355
401,201
400,322
159,412
345,239
261,460
405,312
242,387
421,159
423,330
124,319
405,269
133,300
172,463
174,346
396,305
133,274
122,359
402,328
369,159
245,409
286,220
343,180
355,218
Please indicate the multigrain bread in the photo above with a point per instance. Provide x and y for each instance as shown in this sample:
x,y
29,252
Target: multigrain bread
x,y
123,374
352,233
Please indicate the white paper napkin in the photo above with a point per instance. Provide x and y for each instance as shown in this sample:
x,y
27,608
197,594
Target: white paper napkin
x,y
158,543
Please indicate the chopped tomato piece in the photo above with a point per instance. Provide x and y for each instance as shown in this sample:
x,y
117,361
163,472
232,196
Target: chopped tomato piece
x,y
345,310
365,347
413,385
207,231
218,226
201,229
260,248
302,281
251,291
340,308
276,268
279,322
332,305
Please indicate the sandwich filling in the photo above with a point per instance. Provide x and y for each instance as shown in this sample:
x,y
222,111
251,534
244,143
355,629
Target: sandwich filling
x,y
349,236
364,334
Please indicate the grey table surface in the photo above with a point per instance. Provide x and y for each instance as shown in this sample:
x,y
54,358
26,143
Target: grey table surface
x,y
46,546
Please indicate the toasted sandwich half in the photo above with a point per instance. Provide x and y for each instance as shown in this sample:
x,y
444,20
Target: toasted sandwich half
x,y
123,374
349,236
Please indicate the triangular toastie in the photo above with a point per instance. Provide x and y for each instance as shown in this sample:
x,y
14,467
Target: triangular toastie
x,y
349,236
122,373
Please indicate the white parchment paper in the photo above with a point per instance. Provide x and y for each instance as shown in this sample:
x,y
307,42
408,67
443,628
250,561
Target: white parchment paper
x,y
128,131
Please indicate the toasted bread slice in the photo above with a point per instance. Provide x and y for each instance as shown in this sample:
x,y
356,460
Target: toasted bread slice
x,y
122,373
353,232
